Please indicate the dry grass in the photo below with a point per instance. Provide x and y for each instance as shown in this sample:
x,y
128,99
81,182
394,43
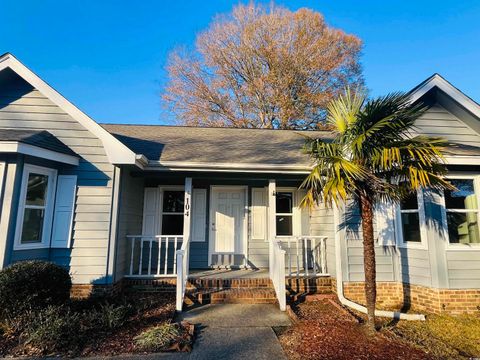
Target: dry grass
x,y
442,336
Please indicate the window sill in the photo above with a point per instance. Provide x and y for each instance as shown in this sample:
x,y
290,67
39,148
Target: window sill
x,y
417,246
30,246
463,247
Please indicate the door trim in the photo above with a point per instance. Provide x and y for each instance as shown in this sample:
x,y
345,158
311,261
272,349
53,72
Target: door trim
x,y
211,217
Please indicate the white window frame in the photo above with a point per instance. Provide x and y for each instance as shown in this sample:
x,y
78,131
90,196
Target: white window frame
x,y
49,207
161,191
295,214
422,224
476,188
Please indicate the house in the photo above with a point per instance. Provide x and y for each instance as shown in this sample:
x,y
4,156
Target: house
x,y
158,205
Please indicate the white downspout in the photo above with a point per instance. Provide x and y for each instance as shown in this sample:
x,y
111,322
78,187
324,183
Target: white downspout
x,y
339,276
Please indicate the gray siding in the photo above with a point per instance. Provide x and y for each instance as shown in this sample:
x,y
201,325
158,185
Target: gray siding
x,y
22,107
415,267
463,269
322,224
439,122
437,265
129,220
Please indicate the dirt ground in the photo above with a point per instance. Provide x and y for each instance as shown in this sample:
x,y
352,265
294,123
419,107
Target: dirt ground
x,y
326,331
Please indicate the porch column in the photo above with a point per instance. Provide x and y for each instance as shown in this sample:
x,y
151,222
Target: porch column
x,y
271,219
187,209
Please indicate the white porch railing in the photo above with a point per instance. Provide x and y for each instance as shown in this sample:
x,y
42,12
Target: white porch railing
x,y
306,255
277,272
154,256
183,256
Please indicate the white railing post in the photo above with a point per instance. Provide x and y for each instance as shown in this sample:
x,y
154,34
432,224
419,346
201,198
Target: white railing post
x,y
182,255
271,219
180,275
277,271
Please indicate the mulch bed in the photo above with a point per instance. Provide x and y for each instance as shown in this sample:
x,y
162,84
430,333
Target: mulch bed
x,y
121,340
326,331
159,309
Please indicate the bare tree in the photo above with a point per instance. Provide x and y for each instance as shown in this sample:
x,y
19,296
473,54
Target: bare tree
x,y
262,67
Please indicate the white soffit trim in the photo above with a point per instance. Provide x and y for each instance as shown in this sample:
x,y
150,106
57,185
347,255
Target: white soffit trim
x,y
462,160
116,151
447,88
226,167
27,149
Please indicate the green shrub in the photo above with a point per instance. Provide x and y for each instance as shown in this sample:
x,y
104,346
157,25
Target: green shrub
x,y
30,285
55,328
157,338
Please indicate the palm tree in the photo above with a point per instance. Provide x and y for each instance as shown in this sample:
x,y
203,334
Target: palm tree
x,y
374,157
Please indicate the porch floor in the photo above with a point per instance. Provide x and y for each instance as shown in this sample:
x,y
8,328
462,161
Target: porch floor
x,y
229,274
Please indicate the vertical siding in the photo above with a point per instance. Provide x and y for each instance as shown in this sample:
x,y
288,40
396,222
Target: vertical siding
x,y
23,107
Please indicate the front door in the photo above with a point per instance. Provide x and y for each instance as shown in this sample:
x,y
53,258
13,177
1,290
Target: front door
x,y
228,226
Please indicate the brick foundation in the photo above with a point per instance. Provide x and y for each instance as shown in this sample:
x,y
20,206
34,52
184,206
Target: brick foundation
x,y
82,291
400,295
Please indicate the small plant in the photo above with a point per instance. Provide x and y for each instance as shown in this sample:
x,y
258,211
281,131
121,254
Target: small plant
x,y
109,316
158,338
30,285
55,328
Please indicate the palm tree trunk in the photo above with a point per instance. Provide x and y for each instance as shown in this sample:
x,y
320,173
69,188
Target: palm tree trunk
x,y
366,207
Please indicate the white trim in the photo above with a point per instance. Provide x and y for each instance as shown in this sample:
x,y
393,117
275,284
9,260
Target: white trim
x,y
476,187
423,244
116,151
438,81
2,175
32,150
296,214
462,160
49,207
6,204
226,167
161,190
211,231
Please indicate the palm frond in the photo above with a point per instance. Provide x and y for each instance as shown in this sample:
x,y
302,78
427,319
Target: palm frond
x,y
343,111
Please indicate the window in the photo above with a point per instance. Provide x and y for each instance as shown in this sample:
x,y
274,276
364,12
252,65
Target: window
x,y
411,220
172,212
34,220
461,207
284,213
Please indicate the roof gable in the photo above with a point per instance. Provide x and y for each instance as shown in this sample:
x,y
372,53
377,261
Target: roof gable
x,y
117,152
436,81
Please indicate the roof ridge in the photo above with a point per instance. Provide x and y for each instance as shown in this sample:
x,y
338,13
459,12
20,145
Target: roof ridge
x,y
211,127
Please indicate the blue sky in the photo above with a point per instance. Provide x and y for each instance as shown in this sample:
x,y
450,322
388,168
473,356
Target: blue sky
x,y
108,57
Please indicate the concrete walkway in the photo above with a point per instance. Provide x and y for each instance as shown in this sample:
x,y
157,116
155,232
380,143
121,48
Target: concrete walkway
x,y
236,331
229,332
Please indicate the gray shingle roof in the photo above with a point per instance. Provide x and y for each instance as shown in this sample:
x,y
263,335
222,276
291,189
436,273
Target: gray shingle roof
x,y
42,139
215,145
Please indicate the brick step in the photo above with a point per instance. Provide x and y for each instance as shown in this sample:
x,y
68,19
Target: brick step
x,y
221,284
231,296
319,285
